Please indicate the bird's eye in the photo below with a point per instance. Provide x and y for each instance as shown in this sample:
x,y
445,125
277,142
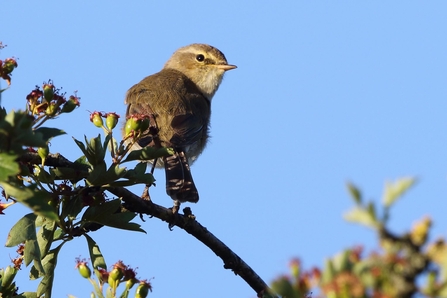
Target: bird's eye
x,y
200,57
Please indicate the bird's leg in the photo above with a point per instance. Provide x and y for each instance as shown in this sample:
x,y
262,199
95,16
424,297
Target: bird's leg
x,y
153,166
145,196
175,208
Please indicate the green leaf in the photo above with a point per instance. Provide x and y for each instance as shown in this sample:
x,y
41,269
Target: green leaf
x,y
361,216
140,168
108,214
7,276
42,175
49,133
95,253
58,234
341,262
81,146
82,163
101,177
49,264
146,179
107,140
103,210
45,236
8,166
283,287
372,210
23,230
96,150
16,131
328,272
79,170
395,190
137,175
96,176
115,145
148,153
31,252
115,172
71,206
35,199
355,193
74,175
93,150
122,221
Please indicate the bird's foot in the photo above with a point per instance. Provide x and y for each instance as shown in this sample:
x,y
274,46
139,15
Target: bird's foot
x,y
174,210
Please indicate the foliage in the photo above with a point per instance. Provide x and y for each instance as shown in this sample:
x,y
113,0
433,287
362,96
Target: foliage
x,y
405,266
65,202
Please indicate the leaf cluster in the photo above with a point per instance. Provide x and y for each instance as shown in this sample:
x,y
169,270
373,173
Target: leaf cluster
x,y
65,201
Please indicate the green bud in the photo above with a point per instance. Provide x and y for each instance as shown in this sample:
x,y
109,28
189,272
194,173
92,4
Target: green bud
x,y
144,123
84,270
130,283
8,65
48,92
96,118
111,120
51,109
131,125
137,123
115,275
142,290
43,153
71,104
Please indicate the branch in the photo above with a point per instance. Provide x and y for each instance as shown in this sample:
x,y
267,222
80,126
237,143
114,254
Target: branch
x,y
231,260
186,222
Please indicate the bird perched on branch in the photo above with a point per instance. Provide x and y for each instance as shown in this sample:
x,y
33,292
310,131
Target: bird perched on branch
x,y
178,102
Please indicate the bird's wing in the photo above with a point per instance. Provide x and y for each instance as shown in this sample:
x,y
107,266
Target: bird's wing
x,y
188,115
188,129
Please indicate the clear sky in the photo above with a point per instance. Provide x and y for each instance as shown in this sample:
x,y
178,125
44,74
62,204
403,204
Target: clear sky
x,y
324,93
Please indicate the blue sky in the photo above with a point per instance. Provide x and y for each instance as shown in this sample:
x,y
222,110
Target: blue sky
x,y
324,93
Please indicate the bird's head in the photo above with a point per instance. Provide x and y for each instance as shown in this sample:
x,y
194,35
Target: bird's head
x,y
202,64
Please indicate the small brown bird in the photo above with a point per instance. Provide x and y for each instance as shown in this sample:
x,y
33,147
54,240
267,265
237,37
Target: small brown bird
x,y
178,102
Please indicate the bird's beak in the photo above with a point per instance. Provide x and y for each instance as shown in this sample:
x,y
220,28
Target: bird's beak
x,y
226,67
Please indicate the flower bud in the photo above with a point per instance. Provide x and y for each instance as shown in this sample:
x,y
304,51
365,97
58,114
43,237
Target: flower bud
x,y
130,283
48,92
111,120
96,118
143,289
144,123
137,123
51,109
8,65
71,104
83,269
131,125
43,153
115,275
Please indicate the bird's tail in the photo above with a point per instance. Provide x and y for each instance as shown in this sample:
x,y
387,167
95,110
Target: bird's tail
x,y
179,183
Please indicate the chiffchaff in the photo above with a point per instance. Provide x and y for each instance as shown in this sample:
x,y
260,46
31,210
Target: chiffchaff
x,y
178,102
